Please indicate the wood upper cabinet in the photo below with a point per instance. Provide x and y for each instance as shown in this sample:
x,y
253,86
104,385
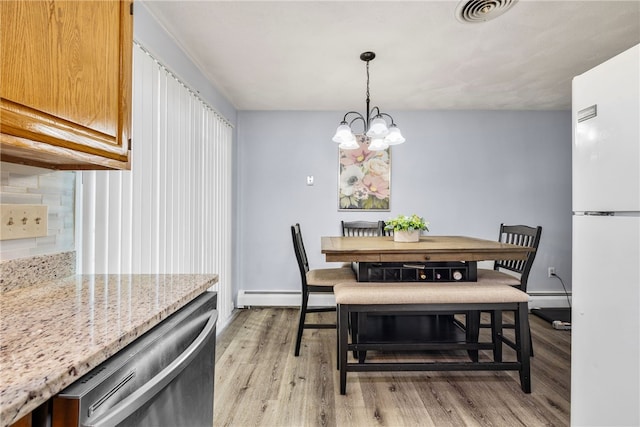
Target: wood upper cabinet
x,y
65,83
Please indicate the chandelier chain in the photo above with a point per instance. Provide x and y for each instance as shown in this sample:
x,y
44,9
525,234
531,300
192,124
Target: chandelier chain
x,y
367,80
368,105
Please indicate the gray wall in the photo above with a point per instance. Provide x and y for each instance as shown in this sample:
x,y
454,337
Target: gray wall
x,y
464,171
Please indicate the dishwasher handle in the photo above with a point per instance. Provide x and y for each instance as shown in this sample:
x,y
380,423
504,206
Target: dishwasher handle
x,y
156,384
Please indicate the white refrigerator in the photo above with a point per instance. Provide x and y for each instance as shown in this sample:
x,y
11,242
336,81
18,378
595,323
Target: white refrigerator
x,y
605,340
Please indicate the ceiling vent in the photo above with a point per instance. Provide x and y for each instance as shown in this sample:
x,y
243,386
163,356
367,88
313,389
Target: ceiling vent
x,y
482,10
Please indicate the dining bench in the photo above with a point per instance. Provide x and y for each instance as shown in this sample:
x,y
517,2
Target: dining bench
x,y
357,300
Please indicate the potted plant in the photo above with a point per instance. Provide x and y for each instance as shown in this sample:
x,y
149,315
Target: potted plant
x,y
406,228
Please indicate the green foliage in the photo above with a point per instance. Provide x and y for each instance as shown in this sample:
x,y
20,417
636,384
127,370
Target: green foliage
x,y
407,223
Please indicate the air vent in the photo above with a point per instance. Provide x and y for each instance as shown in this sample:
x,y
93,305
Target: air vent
x,y
482,10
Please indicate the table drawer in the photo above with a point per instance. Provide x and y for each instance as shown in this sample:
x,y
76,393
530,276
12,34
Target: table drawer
x,y
389,257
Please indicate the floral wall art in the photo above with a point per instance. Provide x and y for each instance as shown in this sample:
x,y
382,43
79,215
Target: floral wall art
x,y
365,179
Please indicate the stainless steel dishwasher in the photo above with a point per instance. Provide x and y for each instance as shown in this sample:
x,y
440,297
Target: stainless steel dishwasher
x,y
164,378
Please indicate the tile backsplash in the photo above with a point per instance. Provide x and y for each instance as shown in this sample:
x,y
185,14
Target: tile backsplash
x,y
36,186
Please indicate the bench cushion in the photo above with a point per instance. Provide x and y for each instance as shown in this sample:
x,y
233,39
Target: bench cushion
x,y
330,276
426,293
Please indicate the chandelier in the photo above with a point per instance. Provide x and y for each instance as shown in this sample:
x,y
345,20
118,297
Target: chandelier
x,y
377,133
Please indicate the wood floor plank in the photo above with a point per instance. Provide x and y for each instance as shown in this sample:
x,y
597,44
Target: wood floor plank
x,y
259,382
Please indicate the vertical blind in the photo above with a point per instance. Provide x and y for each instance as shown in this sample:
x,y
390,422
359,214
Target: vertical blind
x,y
171,213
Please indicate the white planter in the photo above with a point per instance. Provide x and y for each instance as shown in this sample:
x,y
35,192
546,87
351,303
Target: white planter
x,y
406,236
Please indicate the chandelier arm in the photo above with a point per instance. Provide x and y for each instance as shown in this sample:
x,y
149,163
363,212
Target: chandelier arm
x,y
344,119
359,117
387,115
377,110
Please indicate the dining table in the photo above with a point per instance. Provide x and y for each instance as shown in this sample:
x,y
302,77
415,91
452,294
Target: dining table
x,y
430,255
431,259
427,249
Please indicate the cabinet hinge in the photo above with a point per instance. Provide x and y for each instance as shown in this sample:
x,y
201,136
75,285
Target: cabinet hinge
x,y
129,144
131,8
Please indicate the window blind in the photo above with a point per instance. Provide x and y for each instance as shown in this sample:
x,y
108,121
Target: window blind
x,y
172,212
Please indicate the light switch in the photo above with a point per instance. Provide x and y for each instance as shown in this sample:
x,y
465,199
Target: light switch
x,y
310,180
23,221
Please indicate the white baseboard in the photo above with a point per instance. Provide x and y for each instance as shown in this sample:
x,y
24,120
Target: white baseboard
x,y
281,299
292,299
548,300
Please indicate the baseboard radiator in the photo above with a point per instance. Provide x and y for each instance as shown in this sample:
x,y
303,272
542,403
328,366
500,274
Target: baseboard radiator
x,y
258,298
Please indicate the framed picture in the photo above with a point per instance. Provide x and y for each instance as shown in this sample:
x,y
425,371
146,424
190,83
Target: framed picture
x,y
364,181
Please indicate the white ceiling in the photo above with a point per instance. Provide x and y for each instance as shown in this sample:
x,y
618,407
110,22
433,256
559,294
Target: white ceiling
x,y
304,55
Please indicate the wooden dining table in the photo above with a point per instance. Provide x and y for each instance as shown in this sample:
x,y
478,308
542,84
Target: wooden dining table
x,y
431,252
434,250
429,248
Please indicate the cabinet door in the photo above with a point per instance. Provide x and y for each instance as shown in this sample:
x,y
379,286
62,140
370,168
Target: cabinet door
x,y
66,83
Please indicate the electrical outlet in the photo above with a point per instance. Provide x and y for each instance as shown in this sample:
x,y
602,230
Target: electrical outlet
x,y
23,221
552,271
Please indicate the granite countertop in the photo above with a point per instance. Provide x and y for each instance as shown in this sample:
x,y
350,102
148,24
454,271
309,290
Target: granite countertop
x,y
51,335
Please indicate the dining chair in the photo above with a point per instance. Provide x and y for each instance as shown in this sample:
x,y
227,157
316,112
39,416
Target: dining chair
x,y
512,272
362,228
318,281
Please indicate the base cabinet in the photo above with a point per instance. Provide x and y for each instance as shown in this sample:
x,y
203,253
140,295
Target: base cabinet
x,y
39,417
65,98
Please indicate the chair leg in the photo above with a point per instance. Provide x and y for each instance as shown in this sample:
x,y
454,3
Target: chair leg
x,y
496,335
354,331
343,333
515,313
522,343
303,314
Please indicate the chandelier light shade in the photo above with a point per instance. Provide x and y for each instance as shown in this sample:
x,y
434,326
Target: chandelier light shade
x,y
378,133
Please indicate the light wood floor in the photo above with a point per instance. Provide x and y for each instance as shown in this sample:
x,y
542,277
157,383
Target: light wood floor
x,y
259,382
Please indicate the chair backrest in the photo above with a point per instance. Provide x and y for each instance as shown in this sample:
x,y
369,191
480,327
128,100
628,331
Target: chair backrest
x,y
301,254
363,228
521,235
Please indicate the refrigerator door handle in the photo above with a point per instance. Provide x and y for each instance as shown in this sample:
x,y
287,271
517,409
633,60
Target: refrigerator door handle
x,y
598,213
593,213
145,393
587,113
